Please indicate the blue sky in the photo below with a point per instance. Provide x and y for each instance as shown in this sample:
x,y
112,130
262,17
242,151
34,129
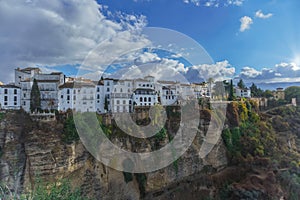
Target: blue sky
x,y
256,40
266,43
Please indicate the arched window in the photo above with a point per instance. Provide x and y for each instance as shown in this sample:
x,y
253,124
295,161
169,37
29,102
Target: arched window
x,y
145,99
149,99
141,99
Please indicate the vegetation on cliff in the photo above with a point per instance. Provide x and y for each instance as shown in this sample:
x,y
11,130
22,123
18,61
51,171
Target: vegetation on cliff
x,y
266,147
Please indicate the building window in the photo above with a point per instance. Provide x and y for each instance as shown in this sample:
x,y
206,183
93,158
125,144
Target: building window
x,y
98,96
74,92
5,98
124,101
118,101
115,89
24,95
107,90
98,89
141,99
15,98
74,98
129,101
68,98
121,90
107,83
149,99
145,99
128,90
68,91
15,91
61,96
5,91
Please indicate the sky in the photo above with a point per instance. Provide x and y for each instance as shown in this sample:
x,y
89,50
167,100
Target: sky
x,y
258,41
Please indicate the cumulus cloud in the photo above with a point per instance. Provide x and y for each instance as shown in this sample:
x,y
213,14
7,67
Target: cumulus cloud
x,y
245,23
283,72
260,14
49,33
218,71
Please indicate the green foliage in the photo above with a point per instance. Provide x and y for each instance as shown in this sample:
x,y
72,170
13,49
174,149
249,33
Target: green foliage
x,y
141,178
241,84
231,96
106,103
45,191
2,115
70,133
127,177
292,92
35,97
62,190
250,136
161,135
255,91
267,93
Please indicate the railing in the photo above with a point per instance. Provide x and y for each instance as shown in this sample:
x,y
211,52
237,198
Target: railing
x,y
120,95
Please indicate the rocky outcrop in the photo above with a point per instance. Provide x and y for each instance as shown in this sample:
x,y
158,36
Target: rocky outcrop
x,y
34,150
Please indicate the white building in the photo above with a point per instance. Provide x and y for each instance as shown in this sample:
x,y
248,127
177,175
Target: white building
x,y
201,90
77,96
47,83
242,93
168,92
121,96
144,93
10,97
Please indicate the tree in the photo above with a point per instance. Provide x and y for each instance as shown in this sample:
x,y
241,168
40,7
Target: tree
x,y
35,97
267,93
255,91
292,92
106,103
231,96
241,84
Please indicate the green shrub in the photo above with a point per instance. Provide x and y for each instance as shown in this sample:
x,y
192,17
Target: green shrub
x,y
70,133
142,180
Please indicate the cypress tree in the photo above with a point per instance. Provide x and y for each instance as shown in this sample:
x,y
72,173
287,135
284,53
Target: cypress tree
x,y
35,97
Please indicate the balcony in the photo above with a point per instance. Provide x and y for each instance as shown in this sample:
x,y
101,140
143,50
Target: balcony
x,y
121,95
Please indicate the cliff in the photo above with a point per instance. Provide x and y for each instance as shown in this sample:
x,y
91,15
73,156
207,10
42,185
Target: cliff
x,y
257,157
31,151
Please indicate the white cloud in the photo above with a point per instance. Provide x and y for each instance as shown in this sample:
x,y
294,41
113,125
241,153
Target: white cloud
x,y
260,14
249,72
49,33
283,72
245,23
218,71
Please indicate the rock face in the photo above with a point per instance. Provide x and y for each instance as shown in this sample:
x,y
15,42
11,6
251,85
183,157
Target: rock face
x,y
32,150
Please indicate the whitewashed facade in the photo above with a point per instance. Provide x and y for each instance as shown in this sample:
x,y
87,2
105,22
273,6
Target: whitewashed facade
x,y
47,83
242,93
77,96
144,93
10,97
